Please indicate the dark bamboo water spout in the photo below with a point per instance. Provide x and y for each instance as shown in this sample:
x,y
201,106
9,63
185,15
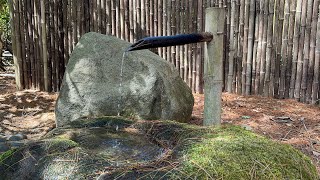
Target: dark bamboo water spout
x,y
165,41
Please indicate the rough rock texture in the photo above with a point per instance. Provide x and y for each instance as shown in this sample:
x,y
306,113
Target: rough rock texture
x,y
151,87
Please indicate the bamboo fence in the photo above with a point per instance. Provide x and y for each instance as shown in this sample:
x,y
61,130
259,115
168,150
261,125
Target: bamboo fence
x,y
272,47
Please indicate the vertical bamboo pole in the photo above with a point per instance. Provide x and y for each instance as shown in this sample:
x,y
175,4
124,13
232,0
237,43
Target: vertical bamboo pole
x,y
215,18
290,47
27,44
113,18
30,30
232,46
269,49
315,84
295,47
168,5
44,44
259,48
240,47
160,22
122,20
198,68
109,17
15,43
236,37
284,51
118,19
306,52
103,17
250,47
255,48
313,38
297,87
126,20
23,46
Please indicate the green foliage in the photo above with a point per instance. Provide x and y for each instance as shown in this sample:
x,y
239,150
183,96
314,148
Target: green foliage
x,y
4,19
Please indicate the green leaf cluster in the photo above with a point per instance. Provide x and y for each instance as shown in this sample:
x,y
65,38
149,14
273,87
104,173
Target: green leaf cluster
x,y
4,18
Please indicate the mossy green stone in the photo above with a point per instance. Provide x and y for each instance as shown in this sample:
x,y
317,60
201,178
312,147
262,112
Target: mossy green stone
x,y
115,147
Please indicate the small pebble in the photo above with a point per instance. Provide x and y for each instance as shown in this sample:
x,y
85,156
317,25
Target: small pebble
x,y
246,127
4,147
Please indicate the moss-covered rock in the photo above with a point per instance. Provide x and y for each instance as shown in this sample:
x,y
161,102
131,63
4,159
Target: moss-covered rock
x,y
112,147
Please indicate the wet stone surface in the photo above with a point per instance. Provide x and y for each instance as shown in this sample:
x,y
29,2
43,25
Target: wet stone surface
x,y
8,142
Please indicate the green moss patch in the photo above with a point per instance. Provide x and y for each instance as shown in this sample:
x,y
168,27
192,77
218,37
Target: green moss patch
x,y
234,153
125,149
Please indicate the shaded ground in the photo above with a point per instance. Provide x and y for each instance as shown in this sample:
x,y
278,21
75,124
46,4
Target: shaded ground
x,y
287,121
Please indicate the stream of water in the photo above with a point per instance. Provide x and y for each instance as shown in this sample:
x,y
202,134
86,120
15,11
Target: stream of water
x,y
121,79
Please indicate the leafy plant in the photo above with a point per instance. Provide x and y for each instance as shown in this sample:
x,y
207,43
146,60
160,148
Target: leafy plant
x,y
5,28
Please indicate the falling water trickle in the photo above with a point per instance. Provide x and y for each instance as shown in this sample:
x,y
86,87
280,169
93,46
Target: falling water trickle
x,y
121,79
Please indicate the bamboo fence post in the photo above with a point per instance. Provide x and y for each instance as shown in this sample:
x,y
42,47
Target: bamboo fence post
x,y
295,47
198,80
315,84
118,19
297,86
30,30
306,51
264,48
255,48
15,43
259,48
245,46
122,20
269,49
109,17
127,20
232,47
250,47
313,38
214,23
290,48
44,44
240,46
237,11
284,48
277,42
27,45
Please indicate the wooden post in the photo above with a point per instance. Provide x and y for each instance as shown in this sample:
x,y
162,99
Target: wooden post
x,y
213,66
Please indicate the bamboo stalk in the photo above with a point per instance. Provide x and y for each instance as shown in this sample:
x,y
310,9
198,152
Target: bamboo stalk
x,y
198,80
313,38
118,19
269,49
103,16
113,18
109,17
240,47
295,47
250,47
306,51
297,86
44,44
122,20
255,48
232,46
15,43
126,20
27,44
213,67
290,48
284,52
315,85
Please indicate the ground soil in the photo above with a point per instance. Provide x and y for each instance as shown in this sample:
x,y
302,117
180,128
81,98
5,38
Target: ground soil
x,y
32,112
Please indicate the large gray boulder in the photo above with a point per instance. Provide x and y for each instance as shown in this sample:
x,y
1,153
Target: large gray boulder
x,y
151,87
